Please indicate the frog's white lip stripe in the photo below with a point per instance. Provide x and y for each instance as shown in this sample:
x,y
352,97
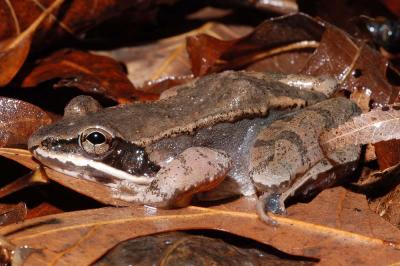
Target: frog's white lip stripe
x,y
80,161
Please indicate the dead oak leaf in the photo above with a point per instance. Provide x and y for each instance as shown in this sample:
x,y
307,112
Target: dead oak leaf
x,y
91,189
93,74
354,64
18,120
157,66
294,32
334,223
86,235
14,50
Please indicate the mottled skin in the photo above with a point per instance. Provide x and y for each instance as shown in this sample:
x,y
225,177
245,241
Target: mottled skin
x,y
164,152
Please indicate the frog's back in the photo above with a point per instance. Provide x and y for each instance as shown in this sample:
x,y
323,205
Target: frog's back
x,y
223,97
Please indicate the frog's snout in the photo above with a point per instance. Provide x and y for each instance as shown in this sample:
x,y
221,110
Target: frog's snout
x,y
35,140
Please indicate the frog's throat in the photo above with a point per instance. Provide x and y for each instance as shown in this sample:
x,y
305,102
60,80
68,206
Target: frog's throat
x,y
80,162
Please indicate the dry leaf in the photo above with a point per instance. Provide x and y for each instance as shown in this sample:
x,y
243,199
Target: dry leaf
x,y
153,65
91,189
42,210
388,153
12,213
14,50
377,125
354,64
18,120
274,36
340,231
179,248
392,5
93,74
73,18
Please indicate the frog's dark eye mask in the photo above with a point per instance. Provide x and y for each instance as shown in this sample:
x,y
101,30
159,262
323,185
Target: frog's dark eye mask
x,y
95,153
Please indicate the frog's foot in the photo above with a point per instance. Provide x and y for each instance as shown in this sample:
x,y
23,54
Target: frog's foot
x,y
270,202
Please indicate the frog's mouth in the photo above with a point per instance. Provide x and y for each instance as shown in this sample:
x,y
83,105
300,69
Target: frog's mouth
x,y
89,169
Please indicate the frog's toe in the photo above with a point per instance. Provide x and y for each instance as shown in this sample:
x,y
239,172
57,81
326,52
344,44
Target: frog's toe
x,y
270,202
263,215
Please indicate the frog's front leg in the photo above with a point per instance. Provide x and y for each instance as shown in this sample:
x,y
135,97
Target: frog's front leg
x,y
273,201
196,169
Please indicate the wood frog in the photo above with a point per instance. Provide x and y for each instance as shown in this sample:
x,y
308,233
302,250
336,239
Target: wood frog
x,y
223,134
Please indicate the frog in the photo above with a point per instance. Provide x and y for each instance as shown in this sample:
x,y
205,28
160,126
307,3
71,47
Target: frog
x,y
224,134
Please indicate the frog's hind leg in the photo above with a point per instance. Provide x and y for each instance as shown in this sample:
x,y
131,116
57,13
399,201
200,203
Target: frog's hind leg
x,y
275,202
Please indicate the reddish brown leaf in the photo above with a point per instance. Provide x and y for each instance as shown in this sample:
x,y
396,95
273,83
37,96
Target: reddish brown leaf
x,y
204,51
93,74
42,210
392,5
387,153
354,64
18,120
14,50
12,213
72,19
335,223
274,36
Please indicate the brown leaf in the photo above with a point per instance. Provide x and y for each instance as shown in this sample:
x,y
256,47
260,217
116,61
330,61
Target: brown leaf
x,y
42,210
274,36
14,50
392,5
377,125
153,65
388,153
72,19
179,248
18,120
91,189
93,74
332,229
21,156
12,213
336,221
354,64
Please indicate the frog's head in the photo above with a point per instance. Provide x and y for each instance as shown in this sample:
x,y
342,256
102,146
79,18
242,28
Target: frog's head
x,y
84,144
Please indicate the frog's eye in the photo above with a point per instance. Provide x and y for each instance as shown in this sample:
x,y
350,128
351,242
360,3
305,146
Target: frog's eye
x,y
95,141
